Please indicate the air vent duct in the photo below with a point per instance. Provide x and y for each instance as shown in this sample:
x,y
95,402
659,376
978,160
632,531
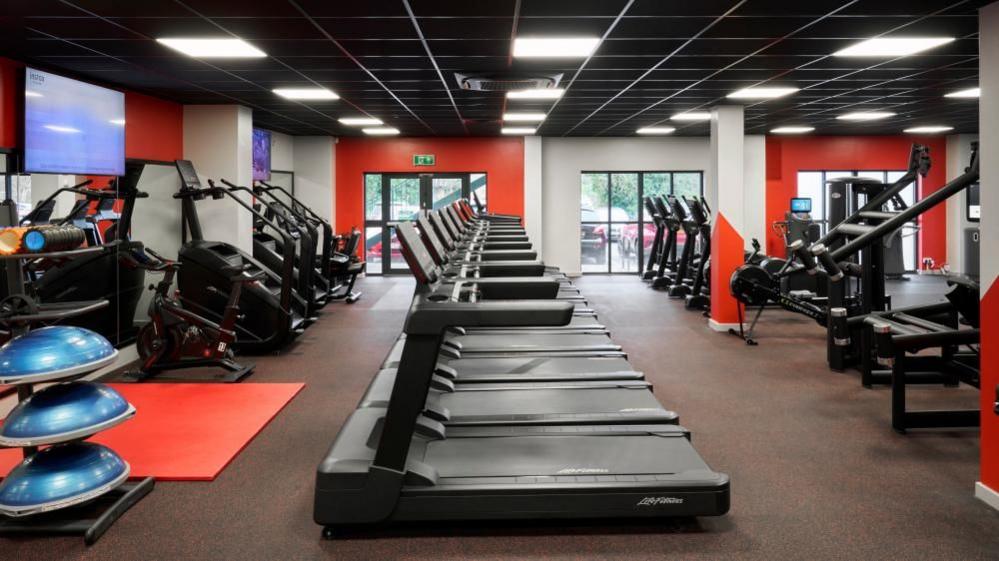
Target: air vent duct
x,y
505,82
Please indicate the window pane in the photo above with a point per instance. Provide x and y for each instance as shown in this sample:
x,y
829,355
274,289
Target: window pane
x,y
624,249
624,197
445,190
810,186
372,196
654,184
373,249
688,184
593,196
404,197
477,185
593,247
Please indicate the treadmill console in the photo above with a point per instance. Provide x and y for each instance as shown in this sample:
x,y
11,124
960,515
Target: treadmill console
x,y
801,205
415,252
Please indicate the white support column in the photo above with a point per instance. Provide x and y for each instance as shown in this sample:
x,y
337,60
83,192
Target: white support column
x,y
315,176
218,139
958,155
755,189
988,127
726,194
532,192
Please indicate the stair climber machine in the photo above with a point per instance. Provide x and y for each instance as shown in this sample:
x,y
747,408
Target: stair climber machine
x,y
336,271
271,229
652,261
398,462
855,287
108,274
272,314
666,261
684,276
700,291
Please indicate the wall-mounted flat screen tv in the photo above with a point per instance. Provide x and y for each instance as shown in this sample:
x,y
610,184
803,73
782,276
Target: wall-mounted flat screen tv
x,y
974,204
72,127
261,155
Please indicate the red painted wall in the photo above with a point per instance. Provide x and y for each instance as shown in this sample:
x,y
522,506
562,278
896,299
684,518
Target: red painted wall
x,y
787,156
10,101
502,159
154,128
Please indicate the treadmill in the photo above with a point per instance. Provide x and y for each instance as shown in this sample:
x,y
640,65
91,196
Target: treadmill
x,y
512,341
396,464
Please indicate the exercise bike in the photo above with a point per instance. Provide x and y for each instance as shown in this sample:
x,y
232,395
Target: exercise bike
x,y
176,338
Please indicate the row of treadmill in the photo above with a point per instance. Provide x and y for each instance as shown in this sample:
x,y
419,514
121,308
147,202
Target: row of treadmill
x,y
679,260
505,398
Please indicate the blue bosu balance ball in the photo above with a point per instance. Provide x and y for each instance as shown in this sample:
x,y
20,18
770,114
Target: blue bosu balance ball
x,y
64,412
60,476
53,353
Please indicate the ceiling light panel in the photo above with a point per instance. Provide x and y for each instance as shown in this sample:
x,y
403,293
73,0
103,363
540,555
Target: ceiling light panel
x,y
792,130
761,93
360,121
865,116
306,93
892,46
549,93
692,116
524,117
213,48
554,47
381,131
655,130
518,130
968,93
929,129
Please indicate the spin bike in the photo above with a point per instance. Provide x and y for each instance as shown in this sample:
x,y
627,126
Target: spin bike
x,y
176,338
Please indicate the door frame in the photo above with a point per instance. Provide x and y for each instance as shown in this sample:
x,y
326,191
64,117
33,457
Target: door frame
x,y
386,223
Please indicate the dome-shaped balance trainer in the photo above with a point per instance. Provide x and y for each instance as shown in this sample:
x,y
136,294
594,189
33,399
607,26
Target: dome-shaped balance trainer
x,y
63,412
61,476
53,353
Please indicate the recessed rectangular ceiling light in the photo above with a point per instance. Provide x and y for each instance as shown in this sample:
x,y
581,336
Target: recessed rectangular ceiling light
x,y
692,116
213,48
381,131
655,130
306,93
761,93
554,47
548,93
792,130
931,129
359,121
518,130
892,46
865,116
524,117
970,92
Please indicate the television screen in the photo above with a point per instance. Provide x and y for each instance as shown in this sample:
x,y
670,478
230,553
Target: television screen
x,y
801,204
72,127
261,155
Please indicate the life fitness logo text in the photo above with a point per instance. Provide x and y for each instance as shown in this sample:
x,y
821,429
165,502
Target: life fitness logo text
x,y
660,501
36,78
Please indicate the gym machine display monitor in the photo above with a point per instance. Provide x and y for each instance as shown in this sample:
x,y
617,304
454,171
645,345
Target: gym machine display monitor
x,y
801,204
72,127
974,203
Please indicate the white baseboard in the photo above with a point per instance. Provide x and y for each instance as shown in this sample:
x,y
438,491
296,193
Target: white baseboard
x,y
987,495
722,327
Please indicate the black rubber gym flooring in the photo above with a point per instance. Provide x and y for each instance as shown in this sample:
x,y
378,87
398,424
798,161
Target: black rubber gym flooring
x,y
816,471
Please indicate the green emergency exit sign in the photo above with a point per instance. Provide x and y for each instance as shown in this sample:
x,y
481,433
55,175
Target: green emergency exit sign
x,y
424,160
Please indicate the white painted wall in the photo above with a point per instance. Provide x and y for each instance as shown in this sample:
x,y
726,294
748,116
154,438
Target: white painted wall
x,y
958,156
218,140
282,152
315,180
565,158
156,220
43,185
533,199
755,183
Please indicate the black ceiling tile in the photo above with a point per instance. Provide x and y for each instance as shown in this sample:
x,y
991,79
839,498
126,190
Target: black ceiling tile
x,y
586,8
674,8
466,28
562,27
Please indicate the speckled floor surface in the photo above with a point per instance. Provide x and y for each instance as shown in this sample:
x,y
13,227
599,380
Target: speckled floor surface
x,y
816,471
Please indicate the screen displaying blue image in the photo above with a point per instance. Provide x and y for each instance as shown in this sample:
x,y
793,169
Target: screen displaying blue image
x,y
801,204
72,127
261,155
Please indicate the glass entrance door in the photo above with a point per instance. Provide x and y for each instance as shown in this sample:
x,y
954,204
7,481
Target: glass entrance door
x,y
397,197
